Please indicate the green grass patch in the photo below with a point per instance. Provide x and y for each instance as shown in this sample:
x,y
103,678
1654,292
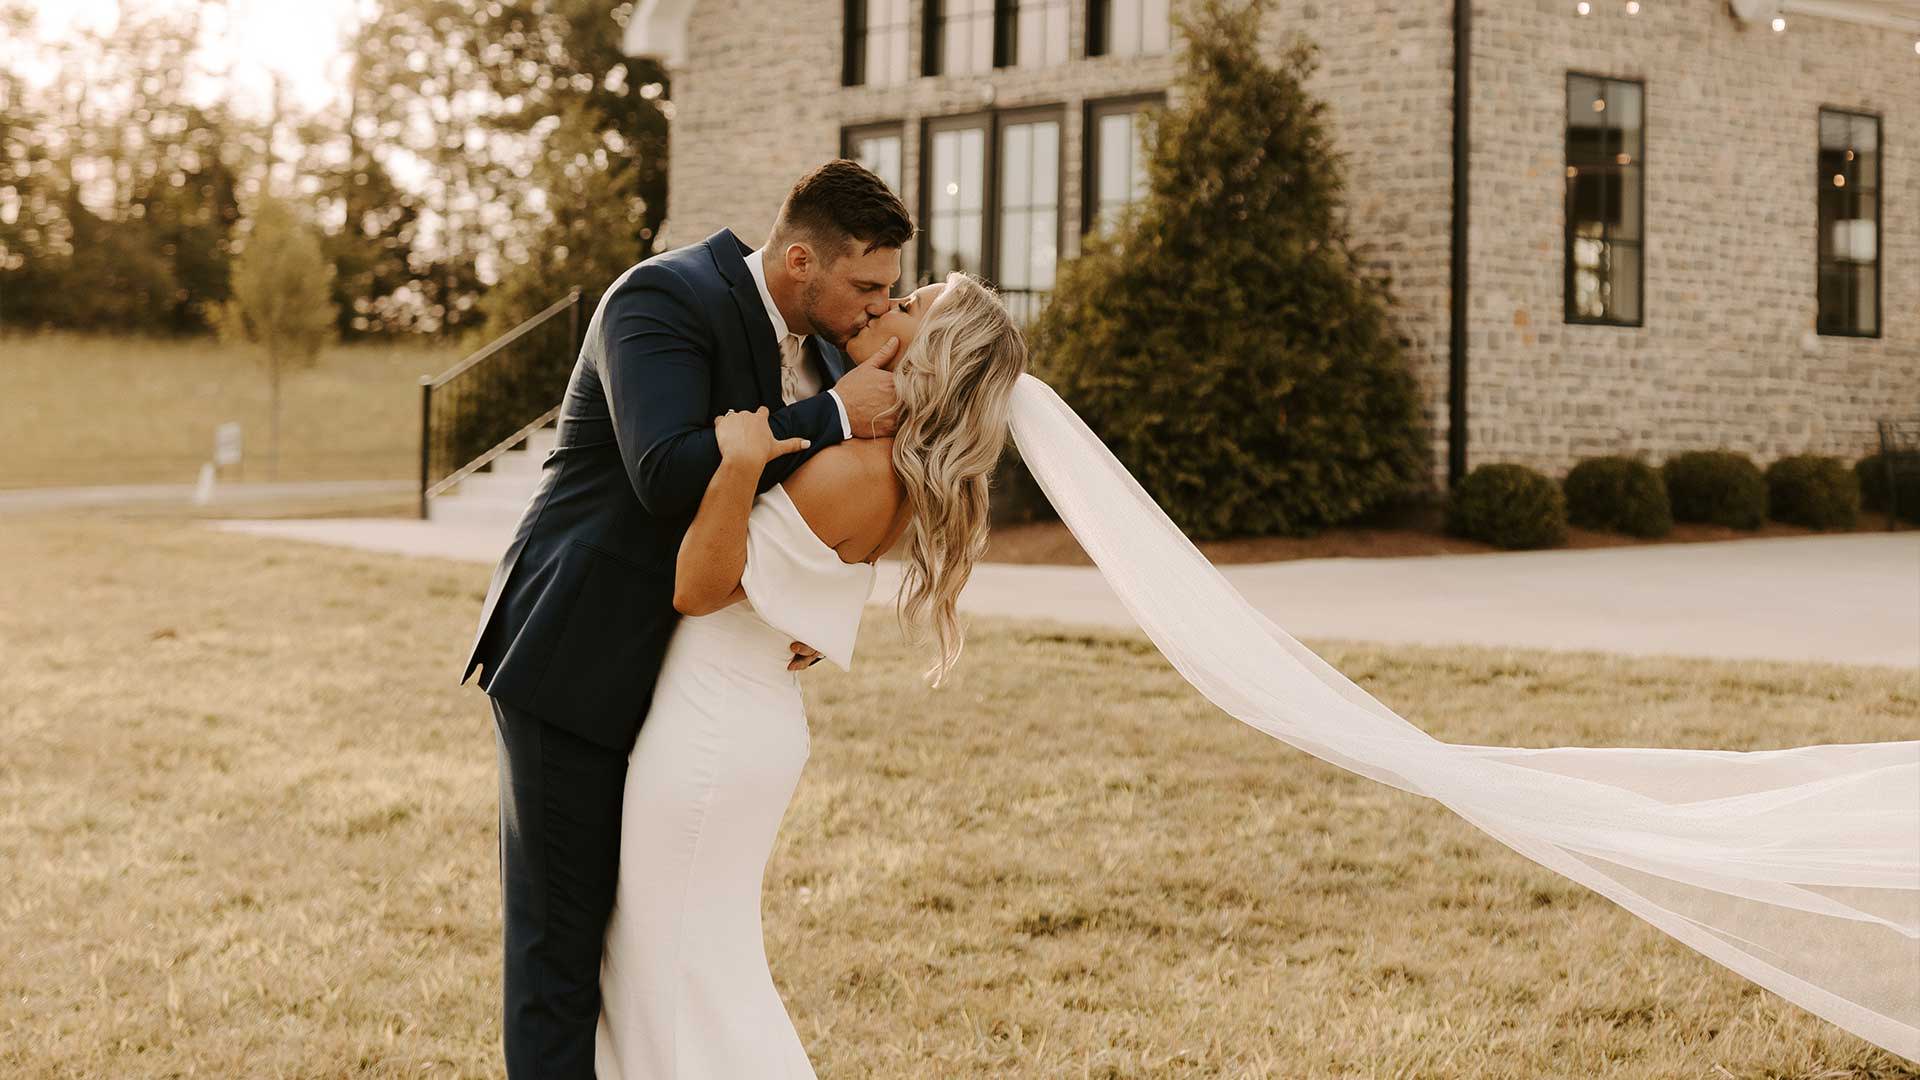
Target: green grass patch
x,y
90,409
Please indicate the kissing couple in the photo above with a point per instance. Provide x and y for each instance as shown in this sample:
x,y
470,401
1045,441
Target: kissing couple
x,y
746,431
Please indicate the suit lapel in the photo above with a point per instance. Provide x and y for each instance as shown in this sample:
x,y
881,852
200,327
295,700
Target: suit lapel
x,y
729,255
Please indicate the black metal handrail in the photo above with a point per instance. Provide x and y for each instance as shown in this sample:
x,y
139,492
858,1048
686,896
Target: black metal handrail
x,y
494,398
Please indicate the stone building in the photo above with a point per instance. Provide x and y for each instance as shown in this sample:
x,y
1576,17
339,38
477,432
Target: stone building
x,y
1663,224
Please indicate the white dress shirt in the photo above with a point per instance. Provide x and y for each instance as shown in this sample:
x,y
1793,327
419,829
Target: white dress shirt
x,y
790,343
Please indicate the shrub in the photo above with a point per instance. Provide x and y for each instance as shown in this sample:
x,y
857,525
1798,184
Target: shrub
x,y
1509,506
1618,494
1226,340
1716,487
1813,490
1871,472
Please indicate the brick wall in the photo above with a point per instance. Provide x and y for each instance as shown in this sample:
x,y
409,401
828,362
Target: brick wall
x,y
1732,133
1730,204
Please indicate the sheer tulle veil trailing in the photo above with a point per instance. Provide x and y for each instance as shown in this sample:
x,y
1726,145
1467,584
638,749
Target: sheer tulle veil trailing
x,y
1797,868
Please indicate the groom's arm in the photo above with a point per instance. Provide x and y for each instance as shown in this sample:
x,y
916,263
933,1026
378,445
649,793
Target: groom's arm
x,y
657,371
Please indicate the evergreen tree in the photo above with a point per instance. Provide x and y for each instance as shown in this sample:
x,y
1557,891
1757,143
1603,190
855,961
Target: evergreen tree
x,y
1224,339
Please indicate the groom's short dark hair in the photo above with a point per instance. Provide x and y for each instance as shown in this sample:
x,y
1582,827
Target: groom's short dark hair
x,y
843,201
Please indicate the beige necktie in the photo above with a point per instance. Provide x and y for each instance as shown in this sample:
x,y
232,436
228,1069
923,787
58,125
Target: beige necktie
x,y
792,355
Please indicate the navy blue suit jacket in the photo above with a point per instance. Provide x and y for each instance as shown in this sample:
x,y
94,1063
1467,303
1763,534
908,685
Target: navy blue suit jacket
x,y
580,609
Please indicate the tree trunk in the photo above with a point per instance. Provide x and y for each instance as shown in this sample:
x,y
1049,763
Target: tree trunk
x,y
273,423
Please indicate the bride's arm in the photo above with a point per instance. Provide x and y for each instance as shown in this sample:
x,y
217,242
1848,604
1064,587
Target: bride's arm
x,y
713,553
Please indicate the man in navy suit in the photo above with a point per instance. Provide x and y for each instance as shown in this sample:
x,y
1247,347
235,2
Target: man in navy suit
x,y
578,615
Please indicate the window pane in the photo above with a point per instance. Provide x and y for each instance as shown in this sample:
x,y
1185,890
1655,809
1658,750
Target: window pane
x,y
1115,133
1626,223
1866,305
1624,117
881,153
1029,224
1123,28
1624,294
954,189
1155,27
973,179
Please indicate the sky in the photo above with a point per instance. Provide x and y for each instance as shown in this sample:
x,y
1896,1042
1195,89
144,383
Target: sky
x,y
301,39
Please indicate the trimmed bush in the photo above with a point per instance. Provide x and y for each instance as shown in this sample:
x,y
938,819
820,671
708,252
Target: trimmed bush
x,y
1716,487
1227,340
1618,494
1871,472
1509,506
1813,490
1872,476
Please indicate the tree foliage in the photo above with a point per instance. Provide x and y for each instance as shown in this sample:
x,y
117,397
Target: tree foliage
x,y
1225,339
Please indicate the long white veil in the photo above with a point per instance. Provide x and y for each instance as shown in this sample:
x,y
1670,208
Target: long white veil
x,y
1798,868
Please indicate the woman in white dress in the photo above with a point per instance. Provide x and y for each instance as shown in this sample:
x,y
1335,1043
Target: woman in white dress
x,y
685,989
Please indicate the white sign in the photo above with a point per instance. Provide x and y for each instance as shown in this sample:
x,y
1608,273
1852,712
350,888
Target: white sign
x,y
226,444
203,491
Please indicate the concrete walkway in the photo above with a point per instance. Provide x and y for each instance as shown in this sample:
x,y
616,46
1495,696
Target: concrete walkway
x,y
71,498
1850,599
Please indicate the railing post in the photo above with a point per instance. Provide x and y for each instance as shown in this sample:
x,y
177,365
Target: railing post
x,y
574,329
426,440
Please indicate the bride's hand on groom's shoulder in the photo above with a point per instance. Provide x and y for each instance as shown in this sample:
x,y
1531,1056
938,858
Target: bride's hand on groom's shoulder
x,y
747,438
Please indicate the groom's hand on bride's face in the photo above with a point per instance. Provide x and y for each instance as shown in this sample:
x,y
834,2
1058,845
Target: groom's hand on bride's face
x,y
868,393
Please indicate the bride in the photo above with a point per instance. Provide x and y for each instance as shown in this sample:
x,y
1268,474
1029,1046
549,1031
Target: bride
x,y
1797,868
685,989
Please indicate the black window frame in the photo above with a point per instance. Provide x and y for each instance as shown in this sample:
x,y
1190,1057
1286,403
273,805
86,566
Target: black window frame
x,y
1094,110
1570,316
993,122
895,128
1879,223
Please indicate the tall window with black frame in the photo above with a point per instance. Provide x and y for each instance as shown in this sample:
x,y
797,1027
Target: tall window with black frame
x,y
1028,229
1116,174
1849,242
1606,201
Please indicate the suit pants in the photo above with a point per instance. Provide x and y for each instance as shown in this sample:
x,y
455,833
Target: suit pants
x,y
560,799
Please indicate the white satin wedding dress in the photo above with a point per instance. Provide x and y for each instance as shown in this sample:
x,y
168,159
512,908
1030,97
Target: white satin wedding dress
x,y
686,993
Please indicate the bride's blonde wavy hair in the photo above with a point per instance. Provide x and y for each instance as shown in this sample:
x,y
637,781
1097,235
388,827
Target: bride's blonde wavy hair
x,y
955,384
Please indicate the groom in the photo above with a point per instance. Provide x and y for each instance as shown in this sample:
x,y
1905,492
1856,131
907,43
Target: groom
x,y
577,618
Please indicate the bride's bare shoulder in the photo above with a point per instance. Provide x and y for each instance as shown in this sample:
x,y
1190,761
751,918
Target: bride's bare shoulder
x,y
849,495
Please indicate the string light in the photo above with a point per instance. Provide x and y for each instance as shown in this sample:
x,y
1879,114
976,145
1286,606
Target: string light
x,y
1779,24
1583,8
1633,7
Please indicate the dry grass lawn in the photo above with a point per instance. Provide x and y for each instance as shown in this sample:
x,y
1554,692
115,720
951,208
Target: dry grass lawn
x,y
247,828
93,409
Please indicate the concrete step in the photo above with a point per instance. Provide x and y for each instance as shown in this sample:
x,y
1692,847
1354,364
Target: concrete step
x,y
469,512
542,440
499,486
516,462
